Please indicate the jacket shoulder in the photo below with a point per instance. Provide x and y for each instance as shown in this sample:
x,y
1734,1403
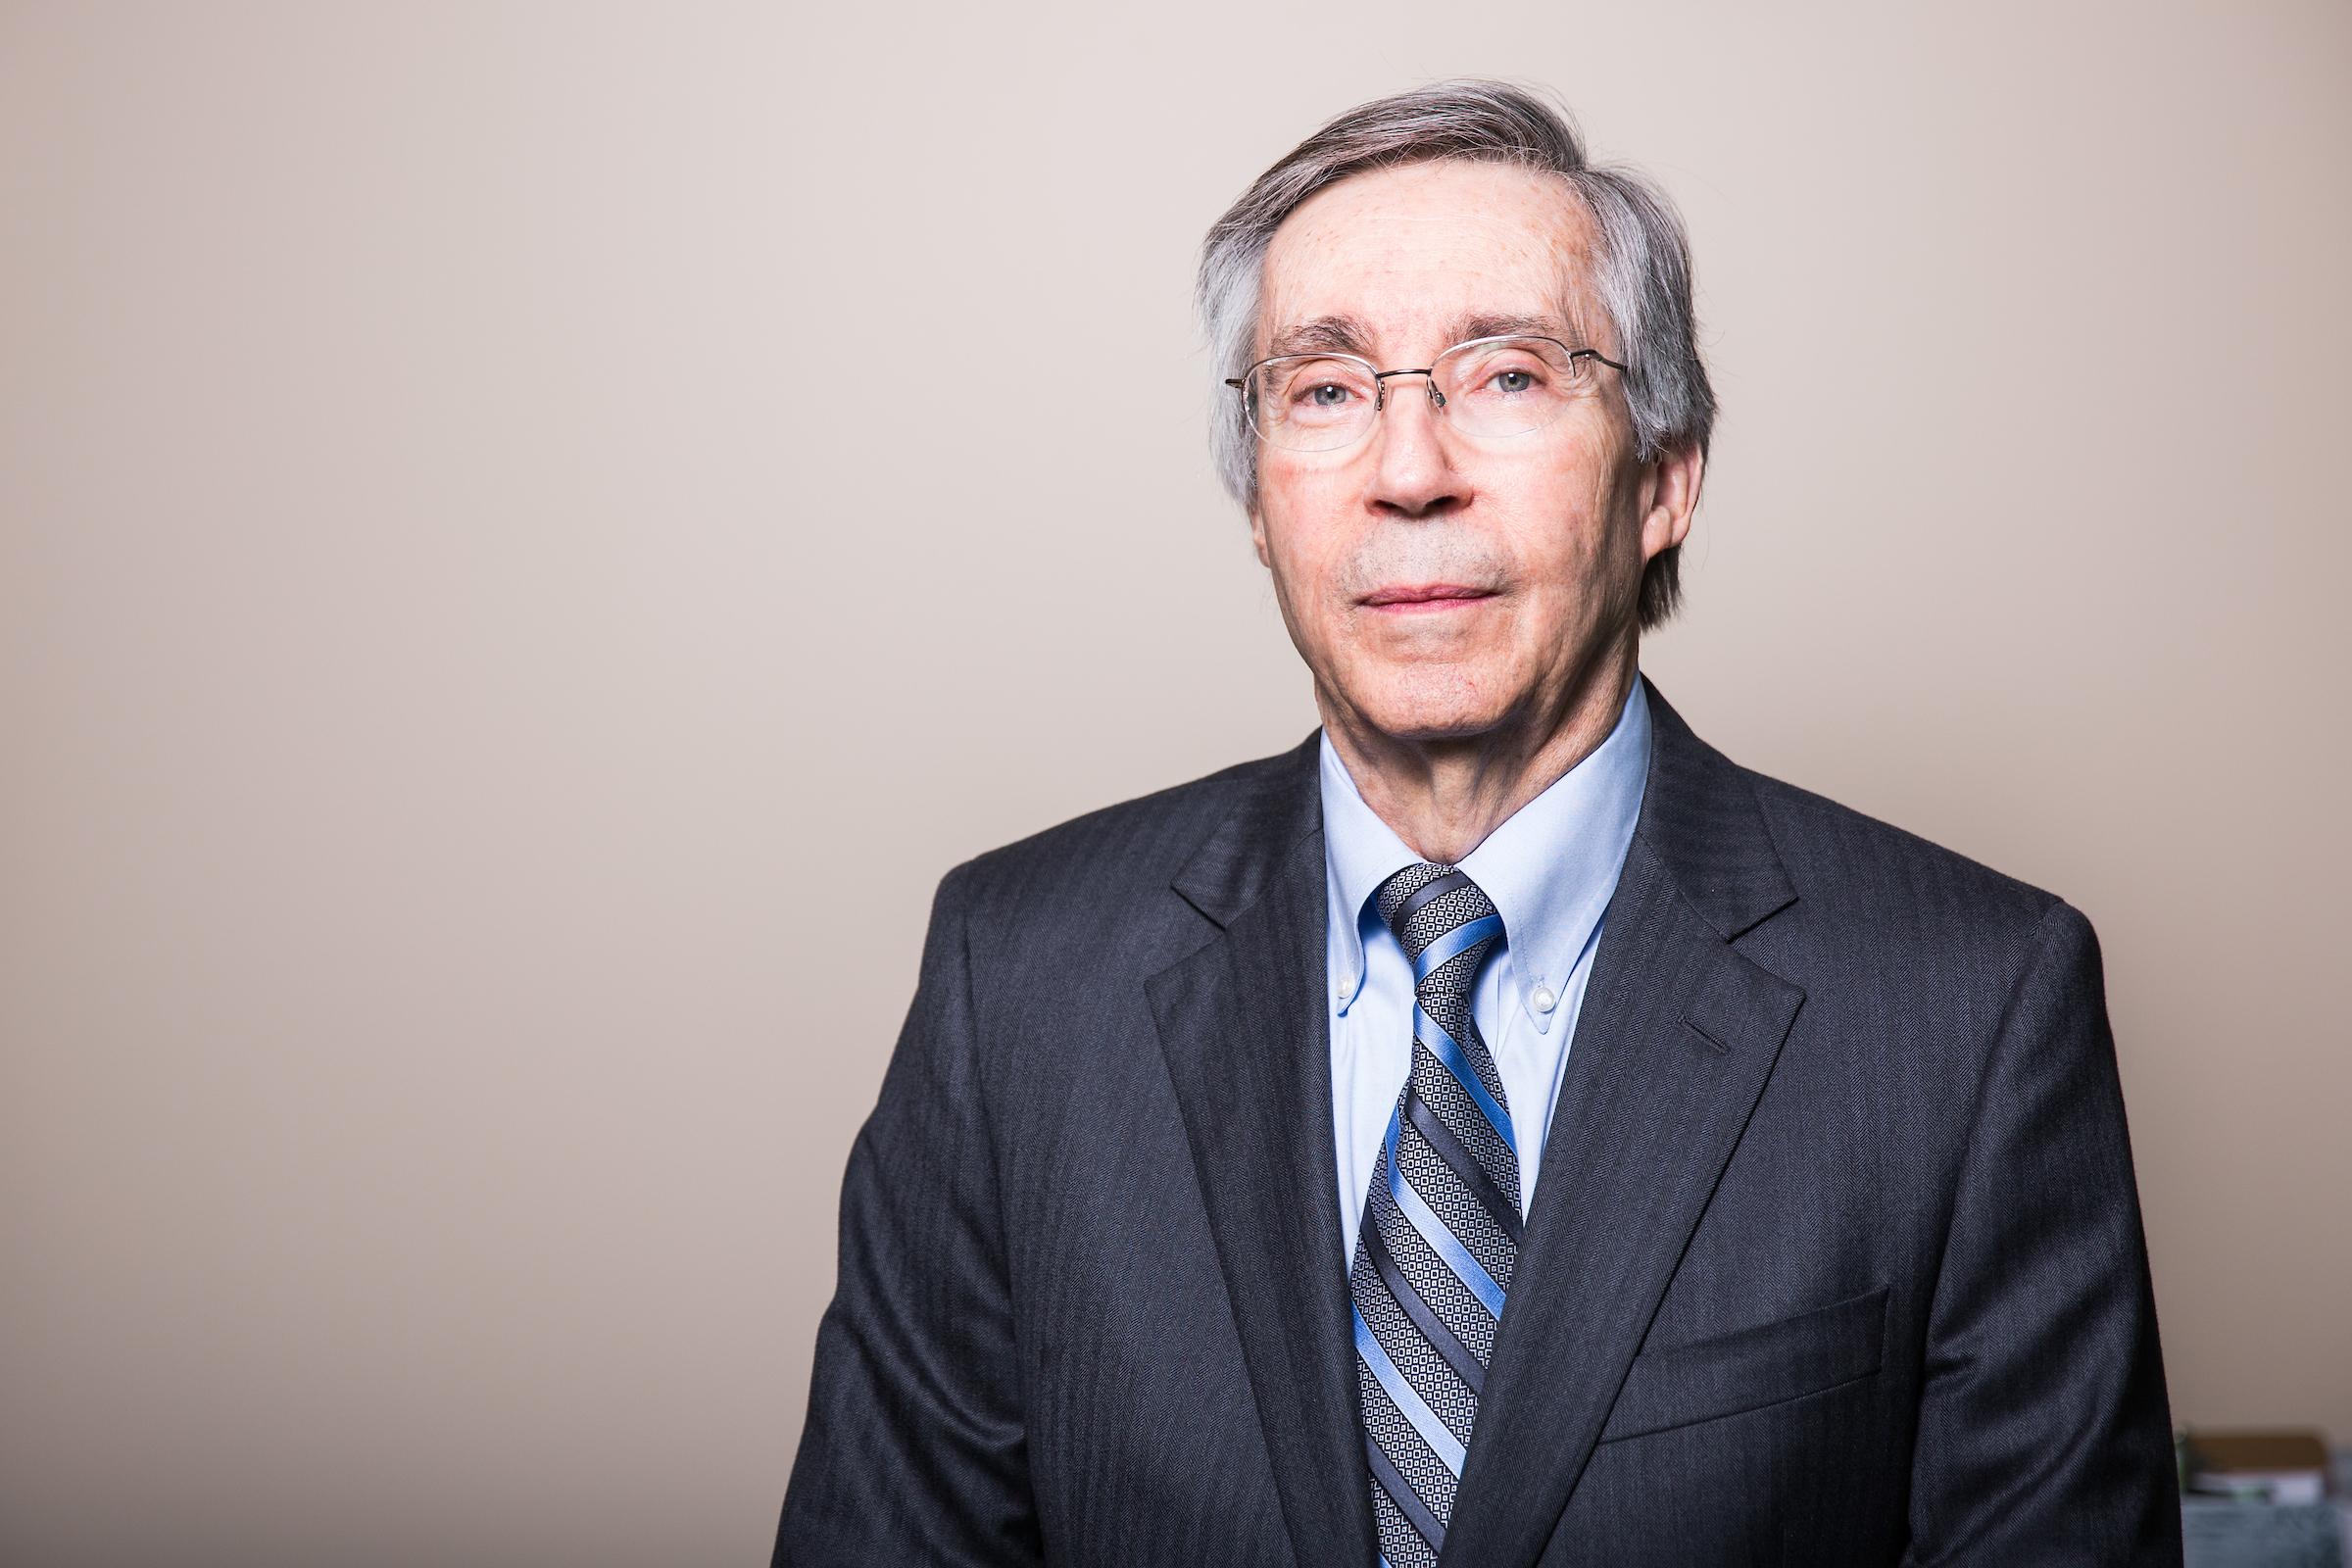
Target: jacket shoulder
x,y
1870,868
1896,937
1093,861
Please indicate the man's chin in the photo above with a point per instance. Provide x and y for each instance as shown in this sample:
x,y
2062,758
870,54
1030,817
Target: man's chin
x,y
1430,717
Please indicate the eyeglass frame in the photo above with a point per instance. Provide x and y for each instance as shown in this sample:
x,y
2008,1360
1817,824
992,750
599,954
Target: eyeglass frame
x,y
1380,379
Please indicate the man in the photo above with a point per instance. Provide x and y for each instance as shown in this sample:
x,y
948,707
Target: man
x,y
1200,1219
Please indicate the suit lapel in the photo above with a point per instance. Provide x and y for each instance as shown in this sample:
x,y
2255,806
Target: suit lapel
x,y
1245,1034
1676,1036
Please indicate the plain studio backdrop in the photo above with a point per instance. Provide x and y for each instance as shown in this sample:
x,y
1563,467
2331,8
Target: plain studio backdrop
x,y
531,537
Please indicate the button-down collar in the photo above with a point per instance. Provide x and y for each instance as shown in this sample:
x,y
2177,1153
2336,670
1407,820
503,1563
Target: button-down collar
x,y
1548,869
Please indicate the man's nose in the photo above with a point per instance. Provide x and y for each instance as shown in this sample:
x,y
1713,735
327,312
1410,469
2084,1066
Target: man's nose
x,y
1412,470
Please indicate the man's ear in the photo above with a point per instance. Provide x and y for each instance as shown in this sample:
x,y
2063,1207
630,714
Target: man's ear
x,y
1670,495
1258,538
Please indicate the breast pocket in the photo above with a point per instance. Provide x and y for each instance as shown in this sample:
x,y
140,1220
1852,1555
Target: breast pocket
x,y
1728,1373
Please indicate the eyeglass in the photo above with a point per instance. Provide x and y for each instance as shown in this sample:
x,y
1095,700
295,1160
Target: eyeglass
x,y
1488,386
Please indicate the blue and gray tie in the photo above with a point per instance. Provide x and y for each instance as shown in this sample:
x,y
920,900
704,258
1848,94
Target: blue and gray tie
x,y
1442,1223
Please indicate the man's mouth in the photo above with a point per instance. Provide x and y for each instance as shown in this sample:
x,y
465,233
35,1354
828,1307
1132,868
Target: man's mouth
x,y
1408,598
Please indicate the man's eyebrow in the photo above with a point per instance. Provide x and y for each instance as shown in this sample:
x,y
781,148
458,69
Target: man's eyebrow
x,y
1480,323
1344,334
1323,334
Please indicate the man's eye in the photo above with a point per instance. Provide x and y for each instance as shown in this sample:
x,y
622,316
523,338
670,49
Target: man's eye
x,y
1315,395
1513,380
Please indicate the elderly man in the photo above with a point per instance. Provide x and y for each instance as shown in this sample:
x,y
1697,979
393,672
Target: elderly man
x,y
1499,1130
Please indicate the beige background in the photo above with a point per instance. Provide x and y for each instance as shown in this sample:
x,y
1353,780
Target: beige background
x,y
485,712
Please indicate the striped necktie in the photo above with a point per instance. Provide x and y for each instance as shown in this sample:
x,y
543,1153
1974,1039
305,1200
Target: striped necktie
x,y
1440,1227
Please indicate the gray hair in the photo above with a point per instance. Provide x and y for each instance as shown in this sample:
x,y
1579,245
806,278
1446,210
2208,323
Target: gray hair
x,y
1643,275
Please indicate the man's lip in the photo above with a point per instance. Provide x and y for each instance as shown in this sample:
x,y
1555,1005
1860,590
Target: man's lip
x,y
1424,594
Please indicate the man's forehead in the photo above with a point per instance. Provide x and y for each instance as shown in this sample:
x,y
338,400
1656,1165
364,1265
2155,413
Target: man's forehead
x,y
1412,258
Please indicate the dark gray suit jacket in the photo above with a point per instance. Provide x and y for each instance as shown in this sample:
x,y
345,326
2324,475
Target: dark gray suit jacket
x,y
1835,1257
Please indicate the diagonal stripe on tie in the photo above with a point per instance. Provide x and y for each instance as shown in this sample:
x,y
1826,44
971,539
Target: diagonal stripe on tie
x,y
1442,1238
1440,1288
1435,1329
1481,1181
1448,1052
1441,1230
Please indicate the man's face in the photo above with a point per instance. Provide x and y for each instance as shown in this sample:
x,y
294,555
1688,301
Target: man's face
x,y
1548,529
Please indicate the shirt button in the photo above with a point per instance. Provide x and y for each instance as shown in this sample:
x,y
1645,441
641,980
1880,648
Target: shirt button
x,y
1544,999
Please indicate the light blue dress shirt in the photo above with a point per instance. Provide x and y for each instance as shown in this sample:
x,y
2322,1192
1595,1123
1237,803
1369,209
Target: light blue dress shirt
x,y
1550,869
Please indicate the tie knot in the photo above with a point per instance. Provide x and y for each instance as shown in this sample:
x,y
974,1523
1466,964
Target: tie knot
x,y
1444,921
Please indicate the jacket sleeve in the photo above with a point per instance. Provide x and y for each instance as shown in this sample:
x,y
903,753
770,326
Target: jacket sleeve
x,y
2044,1435
914,1450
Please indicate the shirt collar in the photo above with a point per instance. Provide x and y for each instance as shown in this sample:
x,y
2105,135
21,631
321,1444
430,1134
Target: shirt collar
x,y
1550,868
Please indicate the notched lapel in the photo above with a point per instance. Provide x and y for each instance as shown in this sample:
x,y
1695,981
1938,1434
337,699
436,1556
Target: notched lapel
x,y
1243,1029
1677,1037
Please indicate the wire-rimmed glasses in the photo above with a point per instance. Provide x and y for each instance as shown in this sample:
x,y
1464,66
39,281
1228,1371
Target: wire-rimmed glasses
x,y
1488,386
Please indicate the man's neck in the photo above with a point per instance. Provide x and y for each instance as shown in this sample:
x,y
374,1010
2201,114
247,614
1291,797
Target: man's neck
x,y
1444,796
